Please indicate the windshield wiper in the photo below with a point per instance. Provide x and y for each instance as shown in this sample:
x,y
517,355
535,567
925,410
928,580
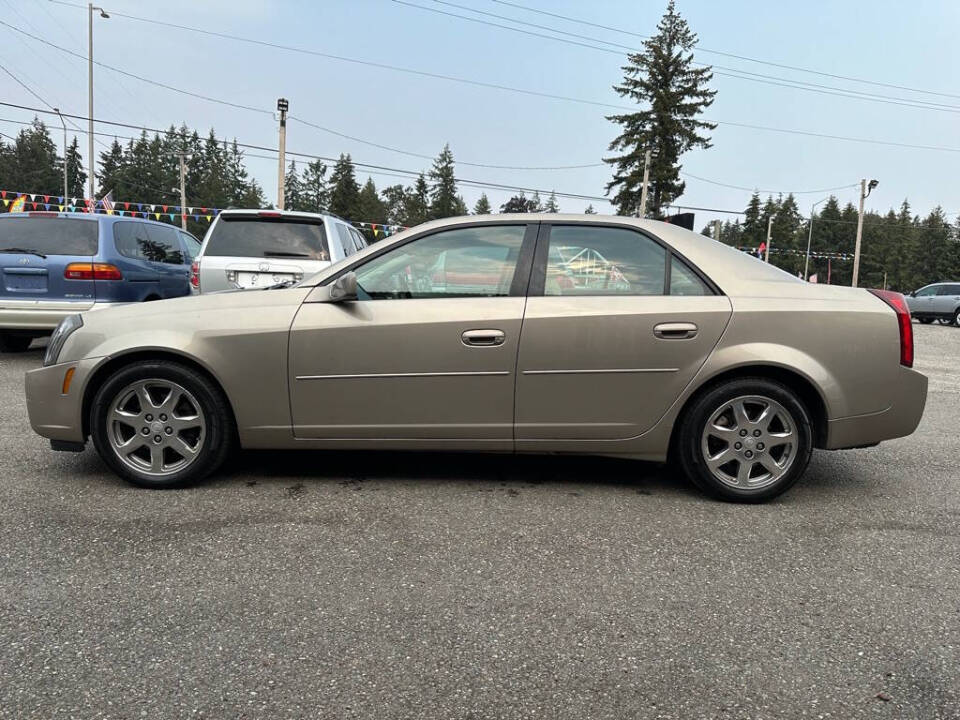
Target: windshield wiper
x,y
279,253
24,251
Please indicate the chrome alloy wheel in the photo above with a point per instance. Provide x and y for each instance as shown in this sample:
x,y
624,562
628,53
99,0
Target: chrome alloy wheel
x,y
749,442
156,427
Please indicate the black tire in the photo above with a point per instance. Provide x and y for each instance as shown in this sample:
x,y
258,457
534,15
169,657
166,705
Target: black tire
x,y
14,343
220,432
956,318
694,421
925,320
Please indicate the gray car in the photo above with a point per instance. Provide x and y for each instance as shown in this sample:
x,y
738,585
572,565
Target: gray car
x,y
503,333
939,301
250,249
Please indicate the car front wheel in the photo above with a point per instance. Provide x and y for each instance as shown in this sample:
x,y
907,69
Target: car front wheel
x,y
746,440
161,424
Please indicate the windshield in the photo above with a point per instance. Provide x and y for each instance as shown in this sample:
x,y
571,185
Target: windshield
x,y
273,237
49,236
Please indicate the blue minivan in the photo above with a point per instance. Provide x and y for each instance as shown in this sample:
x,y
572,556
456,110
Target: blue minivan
x,y
56,264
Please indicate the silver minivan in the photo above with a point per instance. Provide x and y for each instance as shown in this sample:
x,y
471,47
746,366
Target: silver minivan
x,y
939,301
249,249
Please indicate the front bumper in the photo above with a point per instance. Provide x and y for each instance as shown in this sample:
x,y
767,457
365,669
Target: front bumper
x,y
53,414
898,420
43,315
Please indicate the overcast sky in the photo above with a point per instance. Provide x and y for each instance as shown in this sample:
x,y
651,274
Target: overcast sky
x,y
910,45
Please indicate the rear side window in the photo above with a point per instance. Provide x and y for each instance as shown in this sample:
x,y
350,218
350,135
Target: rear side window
x,y
256,236
358,239
949,290
684,281
49,236
346,241
153,243
191,244
588,260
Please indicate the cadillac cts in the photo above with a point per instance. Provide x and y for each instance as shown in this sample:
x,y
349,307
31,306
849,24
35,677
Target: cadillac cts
x,y
509,333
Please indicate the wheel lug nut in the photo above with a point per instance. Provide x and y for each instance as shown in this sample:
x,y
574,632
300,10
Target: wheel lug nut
x,y
163,418
756,433
737,446
169,431
749,454
149,418
759,446
146,431
157,439
743,433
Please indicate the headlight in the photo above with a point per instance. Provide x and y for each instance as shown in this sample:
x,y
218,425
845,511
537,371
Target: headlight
x,y
64,330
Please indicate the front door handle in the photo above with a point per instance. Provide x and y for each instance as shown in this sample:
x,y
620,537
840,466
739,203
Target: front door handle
x,y
483,338
675,331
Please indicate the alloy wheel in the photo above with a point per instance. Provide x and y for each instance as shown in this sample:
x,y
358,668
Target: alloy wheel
x,y
749,442
156,427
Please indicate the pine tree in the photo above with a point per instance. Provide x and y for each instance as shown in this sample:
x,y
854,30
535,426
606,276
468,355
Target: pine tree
x,y
672,93
444,201
344,191
293,196
536,204
590,210
551,206
482,206
418,202
395,201
370,208
112,172
518,204
754,231
76,177
314,185
34,164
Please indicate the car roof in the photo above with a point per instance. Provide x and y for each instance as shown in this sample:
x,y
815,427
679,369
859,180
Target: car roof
x,y
282,213
87,217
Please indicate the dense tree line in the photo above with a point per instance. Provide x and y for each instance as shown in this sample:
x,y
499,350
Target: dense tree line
x,y
899,247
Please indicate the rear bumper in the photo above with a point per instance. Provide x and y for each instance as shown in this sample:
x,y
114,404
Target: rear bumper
x,y
898,420
52,414
42,315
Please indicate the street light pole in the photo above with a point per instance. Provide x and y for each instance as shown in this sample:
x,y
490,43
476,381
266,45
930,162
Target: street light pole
x,y
806,263
282,105
64,123
769,238
183,191
646,182
92,161
865,190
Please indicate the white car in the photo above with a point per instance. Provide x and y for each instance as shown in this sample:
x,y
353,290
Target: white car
x,y
247,249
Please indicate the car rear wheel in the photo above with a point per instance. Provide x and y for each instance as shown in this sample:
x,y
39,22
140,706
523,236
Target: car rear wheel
x,y
956,317
746,440
925,320
160,424
11,342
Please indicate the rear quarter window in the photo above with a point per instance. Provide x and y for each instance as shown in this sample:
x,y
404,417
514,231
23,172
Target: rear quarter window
x,y
50,236
255,236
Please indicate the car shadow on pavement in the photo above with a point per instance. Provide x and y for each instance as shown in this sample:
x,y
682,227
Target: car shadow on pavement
x,y
274,466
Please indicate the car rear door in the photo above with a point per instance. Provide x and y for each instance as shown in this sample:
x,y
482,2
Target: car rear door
x,y
616,326
947,300
424,357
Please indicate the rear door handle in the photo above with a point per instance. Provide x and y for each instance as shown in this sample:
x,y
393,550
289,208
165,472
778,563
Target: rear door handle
x,y
675,331
483,338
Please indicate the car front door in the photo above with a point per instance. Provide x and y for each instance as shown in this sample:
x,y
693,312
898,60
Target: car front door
x,y
426,355
922,301
616,326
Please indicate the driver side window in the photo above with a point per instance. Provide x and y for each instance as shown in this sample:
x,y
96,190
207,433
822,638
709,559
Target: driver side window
x,y
462,262
927,291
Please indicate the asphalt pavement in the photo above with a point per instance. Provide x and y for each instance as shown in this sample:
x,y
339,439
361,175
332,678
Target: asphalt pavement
x,y
352,585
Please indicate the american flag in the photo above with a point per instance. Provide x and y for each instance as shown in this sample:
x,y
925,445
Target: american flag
x,y
107,201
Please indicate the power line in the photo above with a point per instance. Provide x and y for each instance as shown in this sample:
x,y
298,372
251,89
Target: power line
x,y
497,86
760,190
717,69
732,55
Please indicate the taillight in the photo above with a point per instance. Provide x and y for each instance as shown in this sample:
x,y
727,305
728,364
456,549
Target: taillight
x,y
92,271
195,274
899,304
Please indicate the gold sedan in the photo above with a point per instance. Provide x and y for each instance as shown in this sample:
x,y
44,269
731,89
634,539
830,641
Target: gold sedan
x,y
509,333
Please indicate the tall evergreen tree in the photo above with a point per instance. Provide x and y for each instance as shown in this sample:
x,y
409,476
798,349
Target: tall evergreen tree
x,y
536,204
344,191
754,230
482,206
314,184
673,93
518,204
33,162
590,210
112,172
418,202
293,196
370,208
551,205
76,177
444,201
395,202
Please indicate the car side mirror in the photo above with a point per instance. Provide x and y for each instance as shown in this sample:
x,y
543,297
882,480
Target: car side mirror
x,y
913,293
344,288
